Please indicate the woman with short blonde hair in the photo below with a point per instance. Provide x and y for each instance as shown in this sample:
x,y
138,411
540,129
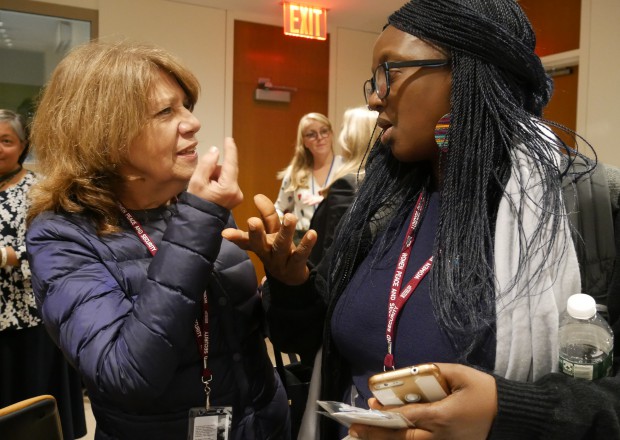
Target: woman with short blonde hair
x,y
358,134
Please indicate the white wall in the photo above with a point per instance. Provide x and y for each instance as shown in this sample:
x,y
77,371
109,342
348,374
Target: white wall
x,y
195,34
88,4
598,114
350,65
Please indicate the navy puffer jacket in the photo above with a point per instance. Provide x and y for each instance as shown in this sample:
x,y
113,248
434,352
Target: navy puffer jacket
x,y
125,320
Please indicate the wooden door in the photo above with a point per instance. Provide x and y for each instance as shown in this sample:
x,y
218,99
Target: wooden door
x,y
557,23
265,132
563,105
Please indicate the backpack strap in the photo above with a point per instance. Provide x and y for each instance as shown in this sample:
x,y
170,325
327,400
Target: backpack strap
x,y
589,209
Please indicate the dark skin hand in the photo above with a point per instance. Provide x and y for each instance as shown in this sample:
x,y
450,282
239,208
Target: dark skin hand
x,y
273,243
466,414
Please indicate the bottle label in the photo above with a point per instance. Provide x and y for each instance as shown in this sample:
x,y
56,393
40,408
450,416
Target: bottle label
x,y
588,371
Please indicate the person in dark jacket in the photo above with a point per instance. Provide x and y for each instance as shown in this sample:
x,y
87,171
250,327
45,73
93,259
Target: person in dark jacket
x,y
132,278
357,134
464,185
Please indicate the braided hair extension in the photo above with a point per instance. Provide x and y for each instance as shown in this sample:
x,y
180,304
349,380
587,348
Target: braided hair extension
x,y
499,89
389,190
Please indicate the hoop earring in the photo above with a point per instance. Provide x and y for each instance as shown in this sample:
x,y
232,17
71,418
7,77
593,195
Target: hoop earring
x,y
441,132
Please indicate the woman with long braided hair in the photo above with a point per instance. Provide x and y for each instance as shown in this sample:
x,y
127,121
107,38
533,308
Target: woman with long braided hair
x,y
461,214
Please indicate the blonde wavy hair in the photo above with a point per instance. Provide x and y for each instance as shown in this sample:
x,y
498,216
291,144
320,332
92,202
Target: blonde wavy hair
x,y
357,136
301,165
94,105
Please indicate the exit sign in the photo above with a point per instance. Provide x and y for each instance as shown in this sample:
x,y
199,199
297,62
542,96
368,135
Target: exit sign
x,y
305,21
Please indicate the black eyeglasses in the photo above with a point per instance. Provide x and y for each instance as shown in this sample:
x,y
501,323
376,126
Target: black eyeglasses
x,y
380,81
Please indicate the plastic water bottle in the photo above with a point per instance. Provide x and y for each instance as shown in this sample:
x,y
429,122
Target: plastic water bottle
x,y
586,340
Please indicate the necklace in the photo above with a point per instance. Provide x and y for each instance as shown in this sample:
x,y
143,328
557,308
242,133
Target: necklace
x,y
327,178
6,178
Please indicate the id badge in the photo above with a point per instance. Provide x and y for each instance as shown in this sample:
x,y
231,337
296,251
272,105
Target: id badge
x,y
214,423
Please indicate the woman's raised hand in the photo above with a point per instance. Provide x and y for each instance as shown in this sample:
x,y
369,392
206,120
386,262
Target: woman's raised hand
x,y
272,242
218,183
466,414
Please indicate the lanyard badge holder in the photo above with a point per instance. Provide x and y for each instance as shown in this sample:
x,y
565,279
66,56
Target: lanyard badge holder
x,y
212,423
208,422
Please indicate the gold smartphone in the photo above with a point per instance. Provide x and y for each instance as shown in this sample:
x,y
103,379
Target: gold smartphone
x,y
419,383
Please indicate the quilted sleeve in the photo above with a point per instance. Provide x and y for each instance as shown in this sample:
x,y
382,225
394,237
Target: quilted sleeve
x,y
128,348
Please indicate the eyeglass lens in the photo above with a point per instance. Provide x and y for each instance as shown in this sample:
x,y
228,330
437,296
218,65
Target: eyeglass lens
x,y
378,83
313,135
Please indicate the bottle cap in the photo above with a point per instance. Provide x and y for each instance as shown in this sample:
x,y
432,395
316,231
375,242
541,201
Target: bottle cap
x,y
581,306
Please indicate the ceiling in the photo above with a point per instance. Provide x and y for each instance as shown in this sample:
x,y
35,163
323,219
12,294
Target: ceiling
x,y
31,31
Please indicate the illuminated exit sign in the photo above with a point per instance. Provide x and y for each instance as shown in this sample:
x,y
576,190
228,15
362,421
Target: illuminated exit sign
x,y
305,21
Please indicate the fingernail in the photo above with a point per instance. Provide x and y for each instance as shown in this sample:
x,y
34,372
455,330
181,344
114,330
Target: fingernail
x,y
214,149
285,221
353,434
251,226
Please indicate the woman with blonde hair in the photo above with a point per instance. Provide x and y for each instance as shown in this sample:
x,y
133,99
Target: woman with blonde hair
x,y
311,169
130,272
357,135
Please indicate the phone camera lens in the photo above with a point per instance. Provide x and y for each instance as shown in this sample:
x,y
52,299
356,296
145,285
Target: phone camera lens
x,y
412,397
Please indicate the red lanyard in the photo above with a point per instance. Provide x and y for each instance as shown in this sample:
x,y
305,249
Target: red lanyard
x,y
201,331
399,298
202,339
139,231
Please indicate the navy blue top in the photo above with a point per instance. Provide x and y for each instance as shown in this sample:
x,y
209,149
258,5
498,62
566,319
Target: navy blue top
x,y
360,317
